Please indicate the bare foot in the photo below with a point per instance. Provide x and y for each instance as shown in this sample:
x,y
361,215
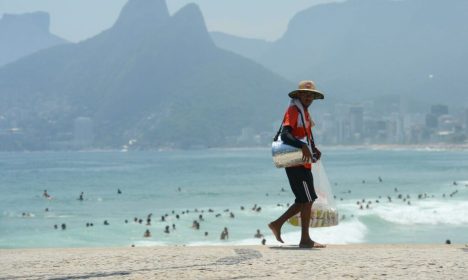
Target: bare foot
x,y
276,231
311,244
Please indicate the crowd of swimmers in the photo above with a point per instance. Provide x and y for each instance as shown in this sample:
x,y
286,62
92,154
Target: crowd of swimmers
x,y
364,204
224,235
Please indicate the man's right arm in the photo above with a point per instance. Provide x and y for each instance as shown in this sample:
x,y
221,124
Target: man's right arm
x,y
288,138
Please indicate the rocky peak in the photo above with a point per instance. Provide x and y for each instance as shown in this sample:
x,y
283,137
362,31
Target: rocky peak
x,y
190,25
143,13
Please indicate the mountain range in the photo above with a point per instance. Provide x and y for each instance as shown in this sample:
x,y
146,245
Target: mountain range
x,y
159,81
152,79
367,49
21,35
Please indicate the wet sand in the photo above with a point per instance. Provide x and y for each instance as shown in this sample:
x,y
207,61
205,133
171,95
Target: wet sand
x,y
239,262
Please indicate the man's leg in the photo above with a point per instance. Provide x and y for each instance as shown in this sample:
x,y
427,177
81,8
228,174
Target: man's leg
x,y
276,225
306,241
306,209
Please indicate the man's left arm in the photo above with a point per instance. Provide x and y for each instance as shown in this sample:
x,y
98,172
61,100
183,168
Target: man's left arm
x,y
316,152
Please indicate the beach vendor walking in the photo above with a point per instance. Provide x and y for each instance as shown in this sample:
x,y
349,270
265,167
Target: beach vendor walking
x,y
297,132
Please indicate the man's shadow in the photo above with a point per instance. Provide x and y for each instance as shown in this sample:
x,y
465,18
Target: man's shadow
x,y
293,247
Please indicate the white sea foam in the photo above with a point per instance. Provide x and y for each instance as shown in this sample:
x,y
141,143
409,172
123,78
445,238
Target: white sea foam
x,y
11,214
147,243
225,243
351,231
423,212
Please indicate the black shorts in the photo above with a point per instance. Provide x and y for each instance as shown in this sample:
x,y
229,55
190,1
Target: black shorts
x,y
302,183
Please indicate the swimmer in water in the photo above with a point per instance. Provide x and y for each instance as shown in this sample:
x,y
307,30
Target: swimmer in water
x,y
46,195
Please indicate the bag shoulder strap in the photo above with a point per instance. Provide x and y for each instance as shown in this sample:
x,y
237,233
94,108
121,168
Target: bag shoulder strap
x,y
304,126
309,141
279,130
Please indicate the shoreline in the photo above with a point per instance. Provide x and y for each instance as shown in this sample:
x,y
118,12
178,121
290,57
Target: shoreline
x,y
274,244
428,147
357,261
450,147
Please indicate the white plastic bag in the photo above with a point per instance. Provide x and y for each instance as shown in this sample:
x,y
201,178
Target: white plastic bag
x,y
324,212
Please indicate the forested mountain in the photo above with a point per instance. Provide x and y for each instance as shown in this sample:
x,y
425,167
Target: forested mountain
x,y
362,49
152,79
250,48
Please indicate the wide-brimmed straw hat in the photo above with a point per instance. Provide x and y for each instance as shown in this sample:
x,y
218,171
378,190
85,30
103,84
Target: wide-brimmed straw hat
x,y
307,86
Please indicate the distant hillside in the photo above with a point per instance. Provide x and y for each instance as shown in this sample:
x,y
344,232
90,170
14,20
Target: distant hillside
x,y
21,35
368,48
250,48
151,79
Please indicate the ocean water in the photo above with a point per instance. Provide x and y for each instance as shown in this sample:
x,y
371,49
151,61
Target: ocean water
x,y
215,182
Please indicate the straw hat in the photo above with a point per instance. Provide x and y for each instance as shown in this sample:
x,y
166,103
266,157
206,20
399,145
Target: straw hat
x,y
306,86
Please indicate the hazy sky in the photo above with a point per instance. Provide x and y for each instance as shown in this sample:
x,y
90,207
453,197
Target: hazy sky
x,y
76,20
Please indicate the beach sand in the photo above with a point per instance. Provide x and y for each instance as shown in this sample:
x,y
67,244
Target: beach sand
x,y
239,262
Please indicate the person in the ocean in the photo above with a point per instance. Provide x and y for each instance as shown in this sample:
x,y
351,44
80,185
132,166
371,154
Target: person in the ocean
x,y
224,234
258,234
46,194
297,132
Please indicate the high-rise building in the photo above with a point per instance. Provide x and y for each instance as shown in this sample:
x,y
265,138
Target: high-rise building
x,y
342,123
439,110
431,121
356,121
447,123
327,133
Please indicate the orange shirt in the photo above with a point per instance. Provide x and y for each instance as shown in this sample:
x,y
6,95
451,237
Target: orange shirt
x,y
292,118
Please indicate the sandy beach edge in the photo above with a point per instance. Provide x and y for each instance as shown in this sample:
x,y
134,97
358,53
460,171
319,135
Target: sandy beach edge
x,y
357,261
